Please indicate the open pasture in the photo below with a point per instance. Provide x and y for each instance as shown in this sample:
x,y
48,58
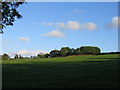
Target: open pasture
x,y
100,71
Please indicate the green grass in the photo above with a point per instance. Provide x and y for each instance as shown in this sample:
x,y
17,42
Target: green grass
x,y
100,71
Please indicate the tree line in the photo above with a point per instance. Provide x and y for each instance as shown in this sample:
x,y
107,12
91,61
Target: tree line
x,y
63,52
66,51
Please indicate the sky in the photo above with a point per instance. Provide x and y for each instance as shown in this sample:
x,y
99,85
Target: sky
x,y
46,26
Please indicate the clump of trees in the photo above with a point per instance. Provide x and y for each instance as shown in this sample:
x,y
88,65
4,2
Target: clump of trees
x,y
55,53
19,57
5,57
64,51
89,50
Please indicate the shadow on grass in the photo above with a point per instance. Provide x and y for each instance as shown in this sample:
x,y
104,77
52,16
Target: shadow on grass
x,y
106,58
61,75
103,59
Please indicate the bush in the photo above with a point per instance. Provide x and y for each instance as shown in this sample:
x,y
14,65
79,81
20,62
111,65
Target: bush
x,y
46,55
55,53
77,51
65,51
5,56
89,50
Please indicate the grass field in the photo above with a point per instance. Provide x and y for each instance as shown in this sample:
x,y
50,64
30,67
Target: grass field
x,y
100,71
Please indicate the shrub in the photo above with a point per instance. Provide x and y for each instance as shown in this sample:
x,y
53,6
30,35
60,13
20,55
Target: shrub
x,y
46,55
89,50
65,51
5,57
55,53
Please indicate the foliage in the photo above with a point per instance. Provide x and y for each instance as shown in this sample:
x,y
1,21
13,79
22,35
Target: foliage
x,y
39,56
5,57
20,57
9,12
16,56
65,51
89,50
46,55
77,51
72,51
55,53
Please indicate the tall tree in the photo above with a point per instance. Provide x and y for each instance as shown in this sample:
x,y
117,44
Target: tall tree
x,y
65,51
16,56
39,56
5,57
77,51
72,51
21,57
55,53
8,12
46,55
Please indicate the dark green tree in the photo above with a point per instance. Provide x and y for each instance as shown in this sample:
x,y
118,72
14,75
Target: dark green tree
x,y
77,51
39,56
26,57
72,51
55,53
21,57
31,57
5,57
34,57
16,56
89,50
46,55
8,13
65,51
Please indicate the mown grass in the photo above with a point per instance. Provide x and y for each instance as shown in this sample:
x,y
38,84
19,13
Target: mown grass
x,y
101,71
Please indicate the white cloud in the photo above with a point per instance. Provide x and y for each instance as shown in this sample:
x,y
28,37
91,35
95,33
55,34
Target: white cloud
x,y
115,21
74,25
54,33
113,24
27,53
70,25
23,38
90,26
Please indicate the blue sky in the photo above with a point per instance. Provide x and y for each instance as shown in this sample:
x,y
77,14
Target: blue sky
x,y
47,26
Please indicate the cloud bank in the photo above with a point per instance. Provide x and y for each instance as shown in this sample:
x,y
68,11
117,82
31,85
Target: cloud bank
x,y
70,25
74,25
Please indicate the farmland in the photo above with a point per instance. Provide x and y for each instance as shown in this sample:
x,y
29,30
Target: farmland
x,y
98,71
